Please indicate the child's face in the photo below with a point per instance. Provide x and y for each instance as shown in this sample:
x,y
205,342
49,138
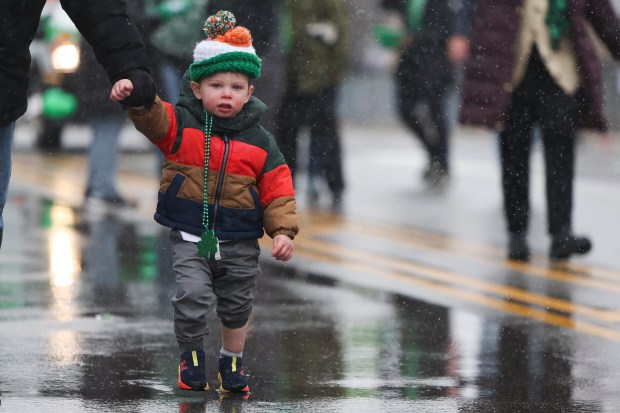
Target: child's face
x,y
223,94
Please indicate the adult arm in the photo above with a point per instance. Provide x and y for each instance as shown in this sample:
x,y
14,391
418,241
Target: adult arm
x,y
339,11
602,16
19,21
458,44
116,43
399,6
463,17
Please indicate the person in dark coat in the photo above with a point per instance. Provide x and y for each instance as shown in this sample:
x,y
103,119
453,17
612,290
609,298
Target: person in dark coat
x,y
105,118
533,63
423,77
104,24
315,41
262,18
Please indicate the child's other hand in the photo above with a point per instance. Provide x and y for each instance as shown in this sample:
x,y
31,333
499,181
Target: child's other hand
x,y
121,90
282,248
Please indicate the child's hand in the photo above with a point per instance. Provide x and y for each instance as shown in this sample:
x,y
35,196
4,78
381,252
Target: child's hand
x,y
121,90
282,248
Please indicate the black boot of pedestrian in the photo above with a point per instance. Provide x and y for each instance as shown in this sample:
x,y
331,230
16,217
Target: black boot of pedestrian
x,y
517,248
436,173
565,244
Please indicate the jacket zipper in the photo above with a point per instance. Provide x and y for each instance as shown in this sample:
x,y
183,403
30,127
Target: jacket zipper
x,y
220,180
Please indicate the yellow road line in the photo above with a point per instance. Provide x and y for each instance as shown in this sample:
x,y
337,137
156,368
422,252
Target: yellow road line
x,y
486,301
568,275
459,279
320,223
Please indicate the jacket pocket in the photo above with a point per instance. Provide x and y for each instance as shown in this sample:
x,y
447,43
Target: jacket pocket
x,y
242,220
169,197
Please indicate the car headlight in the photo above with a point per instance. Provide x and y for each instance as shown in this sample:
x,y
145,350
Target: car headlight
x,y
65,57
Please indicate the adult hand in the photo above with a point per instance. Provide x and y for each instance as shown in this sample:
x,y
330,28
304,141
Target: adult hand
x,y
458,49
143,93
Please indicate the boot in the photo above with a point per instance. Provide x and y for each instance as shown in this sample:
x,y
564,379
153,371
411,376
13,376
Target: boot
x,y
564,244
436,174
517,248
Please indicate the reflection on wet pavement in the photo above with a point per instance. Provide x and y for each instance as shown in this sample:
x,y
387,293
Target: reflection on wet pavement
x,y
85,321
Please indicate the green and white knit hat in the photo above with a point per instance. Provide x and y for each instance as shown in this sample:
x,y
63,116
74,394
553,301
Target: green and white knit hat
x,y
227,49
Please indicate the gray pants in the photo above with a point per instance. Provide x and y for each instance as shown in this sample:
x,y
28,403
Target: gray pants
x,y
226,284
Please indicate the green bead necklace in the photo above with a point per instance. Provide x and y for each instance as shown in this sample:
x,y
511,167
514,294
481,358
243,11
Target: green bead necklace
x,y
208,243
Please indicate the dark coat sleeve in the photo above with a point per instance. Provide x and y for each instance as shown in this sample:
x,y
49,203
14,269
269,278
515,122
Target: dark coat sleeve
x,y
110,31
399,6
19,21
603,18
463,17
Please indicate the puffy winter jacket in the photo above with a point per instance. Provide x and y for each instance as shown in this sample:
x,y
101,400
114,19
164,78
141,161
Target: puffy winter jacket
x,y
250,187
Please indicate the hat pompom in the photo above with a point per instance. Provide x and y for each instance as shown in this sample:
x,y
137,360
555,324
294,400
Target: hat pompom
x,y
227,49
239,36
219,23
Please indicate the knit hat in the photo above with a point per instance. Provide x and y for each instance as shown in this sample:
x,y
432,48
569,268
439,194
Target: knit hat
x,y
227,49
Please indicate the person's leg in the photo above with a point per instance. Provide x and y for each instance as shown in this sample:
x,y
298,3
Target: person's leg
x,y
433,133
233,339
192,302
325,140
234,282
559,152
314,118
558,137
231,375
103,157
315,165
438,146
515,144
289,118
315,171
559,129
6,146
425,116
407,101
194,297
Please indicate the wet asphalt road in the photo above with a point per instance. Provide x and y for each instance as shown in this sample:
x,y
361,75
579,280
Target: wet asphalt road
x,y
403,301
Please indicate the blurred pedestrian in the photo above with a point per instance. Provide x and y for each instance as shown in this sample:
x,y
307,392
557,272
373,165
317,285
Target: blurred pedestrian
x,y
106,120
105,25
533,63
176,29
173,40
224,184
262,19
424,76
315,45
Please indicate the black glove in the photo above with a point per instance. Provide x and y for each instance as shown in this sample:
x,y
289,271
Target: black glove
x,y
143,93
